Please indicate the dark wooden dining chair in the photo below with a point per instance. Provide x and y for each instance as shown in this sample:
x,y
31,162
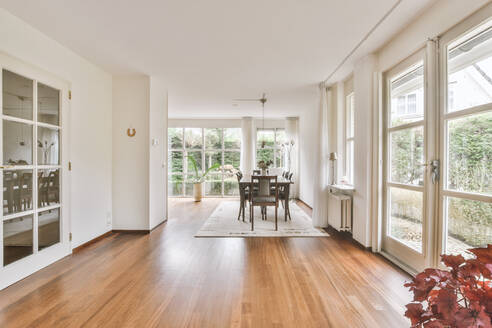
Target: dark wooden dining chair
x,y
243,195
263,197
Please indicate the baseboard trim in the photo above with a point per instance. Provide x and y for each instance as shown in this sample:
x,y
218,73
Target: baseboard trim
x,y
304,203
92,241
143,232
157,226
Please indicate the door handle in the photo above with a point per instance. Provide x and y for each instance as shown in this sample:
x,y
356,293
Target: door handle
x,y
434,169
435,175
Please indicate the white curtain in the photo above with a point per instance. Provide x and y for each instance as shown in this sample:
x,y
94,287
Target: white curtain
x,y
321,162
292,159
247,145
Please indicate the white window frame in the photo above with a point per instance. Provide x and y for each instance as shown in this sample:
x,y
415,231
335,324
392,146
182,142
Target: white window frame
x,y
277,149
203,150
480,20
349,117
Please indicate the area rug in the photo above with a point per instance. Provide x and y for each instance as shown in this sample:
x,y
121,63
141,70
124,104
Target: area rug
x,y
224,223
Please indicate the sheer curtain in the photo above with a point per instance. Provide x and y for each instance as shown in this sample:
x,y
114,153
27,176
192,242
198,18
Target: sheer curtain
x,y
247,145
321,163
291,156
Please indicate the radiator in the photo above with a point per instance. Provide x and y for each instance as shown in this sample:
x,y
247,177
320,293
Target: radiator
x,y
340,211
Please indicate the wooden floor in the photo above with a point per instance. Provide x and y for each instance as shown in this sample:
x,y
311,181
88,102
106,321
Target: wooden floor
x,y
170,279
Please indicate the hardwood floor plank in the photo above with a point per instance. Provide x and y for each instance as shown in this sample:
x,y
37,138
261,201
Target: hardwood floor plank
x,y
168,278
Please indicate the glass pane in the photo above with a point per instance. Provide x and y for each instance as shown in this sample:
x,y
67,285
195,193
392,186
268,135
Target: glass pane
x,y
265,138
48,104
264,155
175,161
469,225
197,155
17,238
231,187
17,94
49,228
17,143
232,158
48,187
279,158
189,186
175,138
213,157
407,97
280,138
406,155
193,138
350,116
470,72
213,138
213,185
350,162
470,154
17,191
405,222
175,185
48,146
232,138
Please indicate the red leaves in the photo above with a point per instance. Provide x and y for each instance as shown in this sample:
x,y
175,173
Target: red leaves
x,y
453,261
459,298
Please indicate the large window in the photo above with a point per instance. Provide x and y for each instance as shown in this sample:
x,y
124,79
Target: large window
x,y
269,146
207,146
349,138
467,123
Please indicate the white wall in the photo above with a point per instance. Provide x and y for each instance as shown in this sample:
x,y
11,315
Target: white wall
x,y
131,154
363,101
139,167
90,130
158,153
308,132
443,15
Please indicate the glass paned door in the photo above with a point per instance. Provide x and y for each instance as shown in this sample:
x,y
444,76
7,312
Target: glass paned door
x,y
404,226
34,229
466,146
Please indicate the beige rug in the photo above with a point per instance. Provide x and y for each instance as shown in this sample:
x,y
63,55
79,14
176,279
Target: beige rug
x,y
223,223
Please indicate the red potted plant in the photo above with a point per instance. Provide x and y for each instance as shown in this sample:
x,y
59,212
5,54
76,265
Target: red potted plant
x,y
459,297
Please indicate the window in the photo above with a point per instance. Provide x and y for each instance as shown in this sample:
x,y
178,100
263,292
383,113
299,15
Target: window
x,y
349,138
209,146
467,189
269,146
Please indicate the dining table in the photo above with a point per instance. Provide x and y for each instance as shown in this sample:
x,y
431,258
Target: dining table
x,y
282,183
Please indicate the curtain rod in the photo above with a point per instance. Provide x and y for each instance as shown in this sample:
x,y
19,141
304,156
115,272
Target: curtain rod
x,y
363,40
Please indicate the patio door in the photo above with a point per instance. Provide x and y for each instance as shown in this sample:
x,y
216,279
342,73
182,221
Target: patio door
x,y
34,229
408,163
465,218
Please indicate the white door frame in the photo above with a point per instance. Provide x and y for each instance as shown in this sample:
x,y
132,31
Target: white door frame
x,y
411,260
20,269
480,19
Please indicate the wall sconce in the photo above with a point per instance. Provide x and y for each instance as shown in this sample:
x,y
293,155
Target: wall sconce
x,y
131,132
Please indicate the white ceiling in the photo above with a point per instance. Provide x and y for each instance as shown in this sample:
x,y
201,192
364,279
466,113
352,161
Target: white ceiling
x,y
210,52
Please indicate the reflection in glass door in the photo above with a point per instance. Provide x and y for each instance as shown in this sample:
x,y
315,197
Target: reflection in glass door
x,y
405,182
466,148
31,229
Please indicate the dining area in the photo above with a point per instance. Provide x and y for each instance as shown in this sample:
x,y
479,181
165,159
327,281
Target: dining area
x,y
263,189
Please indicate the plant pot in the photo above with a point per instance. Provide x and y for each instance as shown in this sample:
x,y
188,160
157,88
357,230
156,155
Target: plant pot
x,y
263,171
197,191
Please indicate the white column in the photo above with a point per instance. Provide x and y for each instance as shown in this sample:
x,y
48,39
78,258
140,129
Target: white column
x,y
292,160
320,190
247,145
